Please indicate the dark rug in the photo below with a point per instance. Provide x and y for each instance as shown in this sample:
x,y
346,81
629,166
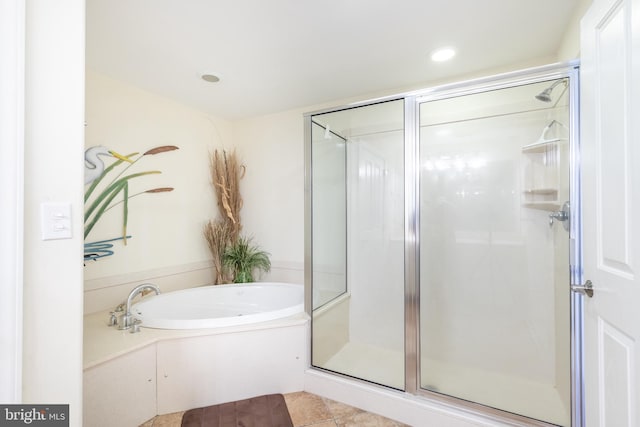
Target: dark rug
x,y
262,411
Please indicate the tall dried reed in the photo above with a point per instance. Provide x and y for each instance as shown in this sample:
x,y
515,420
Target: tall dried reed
x,y
218,236
226,173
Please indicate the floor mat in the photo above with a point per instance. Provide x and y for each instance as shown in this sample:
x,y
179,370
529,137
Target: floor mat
x,y
262,411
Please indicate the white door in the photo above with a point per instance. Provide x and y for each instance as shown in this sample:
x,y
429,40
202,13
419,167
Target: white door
x,y
610,147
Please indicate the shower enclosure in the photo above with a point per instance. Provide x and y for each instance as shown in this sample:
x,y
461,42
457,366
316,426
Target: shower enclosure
x,y
441,244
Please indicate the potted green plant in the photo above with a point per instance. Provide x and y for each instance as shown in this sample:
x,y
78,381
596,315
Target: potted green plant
x,y
242,258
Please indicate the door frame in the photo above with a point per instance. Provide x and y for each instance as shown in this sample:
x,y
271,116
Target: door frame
x,y
555,71
576,259
12,72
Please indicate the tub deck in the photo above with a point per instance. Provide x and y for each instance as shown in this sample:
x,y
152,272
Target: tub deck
x,y
103,343
176,370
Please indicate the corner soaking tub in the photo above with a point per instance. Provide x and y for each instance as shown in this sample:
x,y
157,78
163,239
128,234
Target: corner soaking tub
x,y
220,305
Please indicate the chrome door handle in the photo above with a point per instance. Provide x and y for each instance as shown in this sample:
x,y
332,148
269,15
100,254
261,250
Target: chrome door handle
x,y
586,289
563,215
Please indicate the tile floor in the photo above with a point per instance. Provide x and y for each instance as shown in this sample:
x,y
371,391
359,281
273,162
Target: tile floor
x,y
307,409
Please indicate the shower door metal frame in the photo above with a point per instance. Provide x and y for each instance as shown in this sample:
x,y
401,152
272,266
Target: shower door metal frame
x,y
412,101
568,70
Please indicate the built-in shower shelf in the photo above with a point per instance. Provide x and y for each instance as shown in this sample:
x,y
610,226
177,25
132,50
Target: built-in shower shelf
x,y
542,146
541,192
541,198
541,170
544,206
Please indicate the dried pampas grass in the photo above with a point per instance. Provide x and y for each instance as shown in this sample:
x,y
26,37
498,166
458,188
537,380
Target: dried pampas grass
x,y
226,173
218,236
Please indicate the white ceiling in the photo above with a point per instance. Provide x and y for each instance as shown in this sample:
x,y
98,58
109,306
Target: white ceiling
x,y
274,55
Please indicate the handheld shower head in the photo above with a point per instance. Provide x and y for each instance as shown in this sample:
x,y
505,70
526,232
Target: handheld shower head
x,y
545,95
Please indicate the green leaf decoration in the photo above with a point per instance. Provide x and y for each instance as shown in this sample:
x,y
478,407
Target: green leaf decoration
x,y
109,189
105,198
108,169
125,212
119,185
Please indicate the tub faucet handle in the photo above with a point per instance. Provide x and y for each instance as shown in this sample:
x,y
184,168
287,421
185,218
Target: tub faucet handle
x,y
113,319
135,327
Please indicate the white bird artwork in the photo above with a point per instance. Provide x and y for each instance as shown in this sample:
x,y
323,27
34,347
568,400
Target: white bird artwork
x,y
93,165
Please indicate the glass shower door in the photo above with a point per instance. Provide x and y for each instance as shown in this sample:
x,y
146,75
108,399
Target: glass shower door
x,y
494,255
357,171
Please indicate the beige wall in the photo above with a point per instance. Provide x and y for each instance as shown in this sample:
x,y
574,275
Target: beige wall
x,y
54,115
167,246
272,149
570,45
166,228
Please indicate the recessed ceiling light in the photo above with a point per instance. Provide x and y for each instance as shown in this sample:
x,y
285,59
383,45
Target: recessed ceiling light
x,y
211,78
443,54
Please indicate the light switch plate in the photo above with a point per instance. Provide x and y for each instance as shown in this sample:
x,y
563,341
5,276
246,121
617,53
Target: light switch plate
x,y
56,220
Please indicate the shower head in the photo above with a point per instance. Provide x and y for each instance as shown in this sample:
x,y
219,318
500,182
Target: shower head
x,y
545,95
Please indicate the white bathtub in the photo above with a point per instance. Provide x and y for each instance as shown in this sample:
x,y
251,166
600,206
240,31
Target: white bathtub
x,y
219,306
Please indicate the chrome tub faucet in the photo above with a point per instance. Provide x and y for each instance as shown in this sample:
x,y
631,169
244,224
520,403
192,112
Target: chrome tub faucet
x,y
126,320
